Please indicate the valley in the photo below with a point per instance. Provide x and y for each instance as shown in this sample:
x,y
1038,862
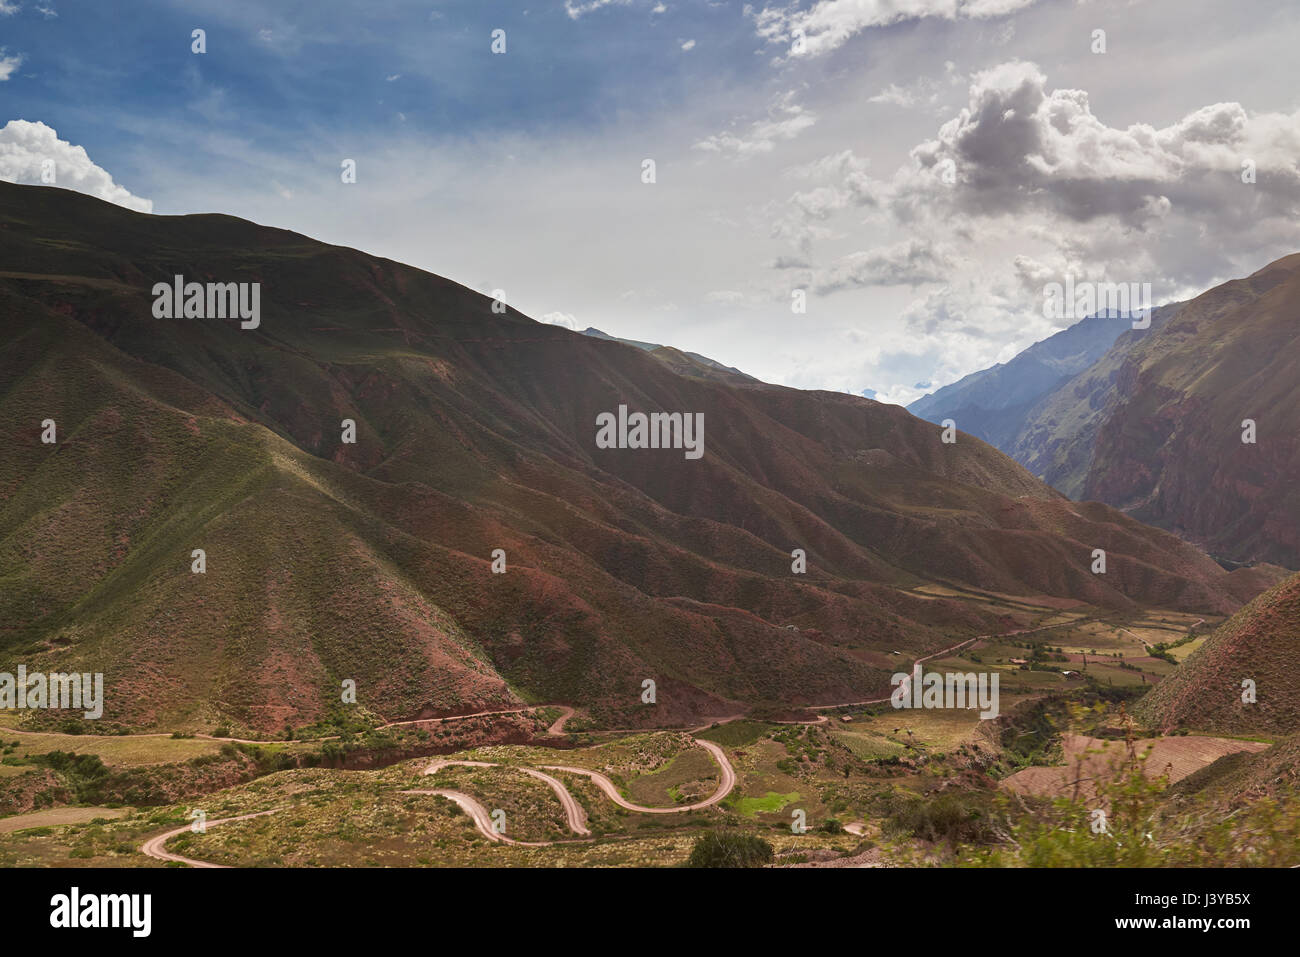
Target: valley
x,y
367,586
853,773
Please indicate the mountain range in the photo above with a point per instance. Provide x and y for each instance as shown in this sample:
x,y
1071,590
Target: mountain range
x,y
473,548
1188,425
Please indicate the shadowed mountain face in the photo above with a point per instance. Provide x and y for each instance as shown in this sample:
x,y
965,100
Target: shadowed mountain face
x,y
1171,449
372,561
1056,438
1155,426
995,404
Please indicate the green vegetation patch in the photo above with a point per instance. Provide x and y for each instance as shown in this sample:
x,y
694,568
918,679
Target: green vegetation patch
x,y
769,803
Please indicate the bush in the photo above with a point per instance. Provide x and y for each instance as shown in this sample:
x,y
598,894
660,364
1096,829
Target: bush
x,y
720,849
955,817
84,774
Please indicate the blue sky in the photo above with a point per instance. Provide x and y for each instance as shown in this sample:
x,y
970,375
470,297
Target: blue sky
x,y
778,170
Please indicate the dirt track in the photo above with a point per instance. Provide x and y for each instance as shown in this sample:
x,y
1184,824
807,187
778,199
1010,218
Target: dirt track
x,y
934,654
605,784
573,812
154,846
479,815
577,817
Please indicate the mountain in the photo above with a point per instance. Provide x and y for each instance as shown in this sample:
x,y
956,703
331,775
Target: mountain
x,y
372,561
1261,643
1057,434
1154,426
1171,450
687,363
994,404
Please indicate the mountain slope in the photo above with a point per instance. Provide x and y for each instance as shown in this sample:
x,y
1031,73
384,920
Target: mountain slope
x,y
329,561
687,363
1058,432
1261,643
994,403
1171,452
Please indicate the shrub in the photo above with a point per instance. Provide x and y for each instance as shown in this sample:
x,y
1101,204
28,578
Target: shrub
x,y
720,849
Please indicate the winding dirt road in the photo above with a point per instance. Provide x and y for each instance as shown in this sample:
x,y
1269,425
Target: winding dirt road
x,y
574,813
611,791
481,818
154,846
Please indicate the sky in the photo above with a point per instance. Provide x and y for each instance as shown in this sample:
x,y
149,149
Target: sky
x,y
915,171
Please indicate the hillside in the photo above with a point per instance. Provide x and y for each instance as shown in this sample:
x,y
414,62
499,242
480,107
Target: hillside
x,y
371,561
1153,424
1058,432
1261,642
687,363
1045,406
995,403
1170,451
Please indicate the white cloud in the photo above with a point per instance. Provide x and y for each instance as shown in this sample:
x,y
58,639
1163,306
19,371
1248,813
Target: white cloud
x,y
1092,192
688,45
8,9
1019,147
25,147
8,64
903,96
1041,188
785,120
829,24
912,262
576,10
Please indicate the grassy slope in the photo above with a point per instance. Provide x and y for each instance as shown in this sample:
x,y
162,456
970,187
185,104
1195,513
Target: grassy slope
x,y
1260,642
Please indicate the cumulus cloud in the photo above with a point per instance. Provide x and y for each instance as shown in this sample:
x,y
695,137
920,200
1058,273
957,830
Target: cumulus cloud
x,y
1020,147
829,24
1102,197
27,149
1025,186
8,9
